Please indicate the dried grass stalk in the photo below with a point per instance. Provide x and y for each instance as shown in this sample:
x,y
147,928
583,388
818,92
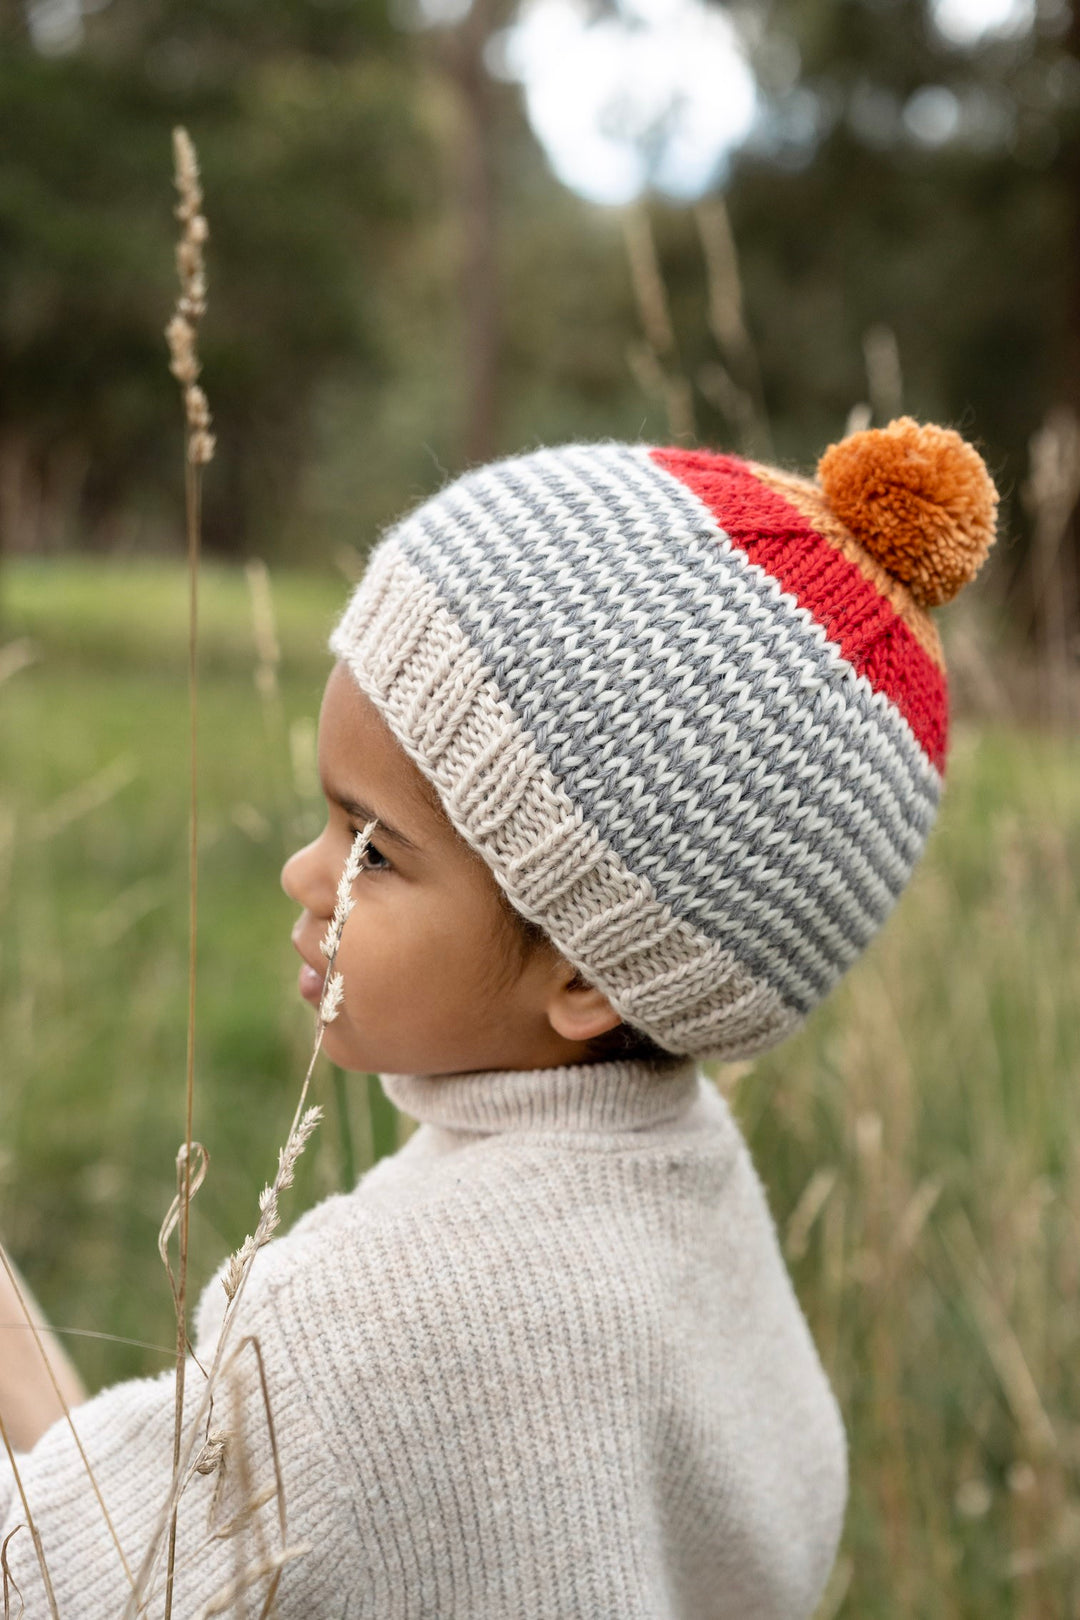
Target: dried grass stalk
x,y
884,375
187,1185
225,1599
264,627
236,1274
657,369
64,1407
39,1550
182,336
1000,1340
182,330
279,1484
10,1583
742,401
1051,494
268,686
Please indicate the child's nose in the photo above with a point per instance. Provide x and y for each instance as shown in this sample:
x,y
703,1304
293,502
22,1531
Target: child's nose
x,y
300,878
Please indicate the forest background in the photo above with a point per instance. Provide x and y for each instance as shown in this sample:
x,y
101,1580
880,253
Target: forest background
x,y
401,285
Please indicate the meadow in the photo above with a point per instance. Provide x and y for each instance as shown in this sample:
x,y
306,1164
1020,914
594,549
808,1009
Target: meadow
x,y
919,1140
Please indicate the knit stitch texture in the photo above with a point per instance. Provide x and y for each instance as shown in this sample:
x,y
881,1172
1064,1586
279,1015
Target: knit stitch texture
x,y
543,1363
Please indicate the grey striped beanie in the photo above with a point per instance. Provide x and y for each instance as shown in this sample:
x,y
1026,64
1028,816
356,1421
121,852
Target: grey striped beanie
x,y
690,710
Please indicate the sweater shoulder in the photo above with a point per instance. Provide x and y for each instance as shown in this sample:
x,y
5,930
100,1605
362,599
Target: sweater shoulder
x,y
488,1194
590,1229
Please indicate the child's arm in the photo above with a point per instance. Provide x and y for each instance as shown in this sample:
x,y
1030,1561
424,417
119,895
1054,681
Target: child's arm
x,y
29,1403
255,1449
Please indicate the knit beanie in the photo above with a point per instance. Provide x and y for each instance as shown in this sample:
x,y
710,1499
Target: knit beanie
x,y
690,710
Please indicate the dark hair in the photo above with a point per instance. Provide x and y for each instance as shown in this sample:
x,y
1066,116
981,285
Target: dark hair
x,y
624,1042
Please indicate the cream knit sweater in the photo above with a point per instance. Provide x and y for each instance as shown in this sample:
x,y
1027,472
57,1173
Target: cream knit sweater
x,y
544,1363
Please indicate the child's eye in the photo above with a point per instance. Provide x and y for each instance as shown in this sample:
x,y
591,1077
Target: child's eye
x,y
374,859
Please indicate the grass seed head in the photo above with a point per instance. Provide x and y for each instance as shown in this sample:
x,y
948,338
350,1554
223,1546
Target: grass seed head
x,y
333,996
181,332
212,1453
343,906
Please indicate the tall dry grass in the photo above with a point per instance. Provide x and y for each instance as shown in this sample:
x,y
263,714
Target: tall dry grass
x,y
934,1246
182,336
197,1447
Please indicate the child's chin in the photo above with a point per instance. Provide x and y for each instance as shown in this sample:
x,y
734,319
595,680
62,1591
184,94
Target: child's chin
x,y
336,1045
349,1054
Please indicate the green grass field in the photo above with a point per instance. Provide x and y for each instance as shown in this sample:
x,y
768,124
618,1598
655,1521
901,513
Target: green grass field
x,y
920,1140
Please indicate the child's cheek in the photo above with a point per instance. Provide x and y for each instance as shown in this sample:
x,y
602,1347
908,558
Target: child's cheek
x,y
375,955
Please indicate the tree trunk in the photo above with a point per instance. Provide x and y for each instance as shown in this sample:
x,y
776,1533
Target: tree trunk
x,y
463,58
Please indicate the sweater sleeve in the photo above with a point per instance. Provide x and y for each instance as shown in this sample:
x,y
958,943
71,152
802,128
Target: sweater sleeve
x,y
230,1532
444,1448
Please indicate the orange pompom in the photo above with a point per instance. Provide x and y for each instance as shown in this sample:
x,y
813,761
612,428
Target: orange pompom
x,y
919,499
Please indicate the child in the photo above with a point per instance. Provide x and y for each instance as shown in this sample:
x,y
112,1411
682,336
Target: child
x,y
653,739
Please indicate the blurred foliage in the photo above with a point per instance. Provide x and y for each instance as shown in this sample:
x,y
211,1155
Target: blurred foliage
x,y
968,250
333,136
309,132
93,885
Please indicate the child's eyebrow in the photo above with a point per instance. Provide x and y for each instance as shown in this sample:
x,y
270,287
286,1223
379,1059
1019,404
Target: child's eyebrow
x,y
364,813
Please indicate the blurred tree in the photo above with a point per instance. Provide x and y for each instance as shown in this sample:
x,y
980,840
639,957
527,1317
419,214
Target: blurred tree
x,y
315,160
399,283
462,58
905,188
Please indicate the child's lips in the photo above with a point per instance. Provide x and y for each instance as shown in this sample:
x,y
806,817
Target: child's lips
x,y
310,980
311,984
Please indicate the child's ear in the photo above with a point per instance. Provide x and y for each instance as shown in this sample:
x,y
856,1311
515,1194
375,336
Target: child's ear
x,y
578,1011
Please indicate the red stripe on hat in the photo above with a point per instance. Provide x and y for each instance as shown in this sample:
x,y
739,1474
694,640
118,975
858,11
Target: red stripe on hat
x,y
864,625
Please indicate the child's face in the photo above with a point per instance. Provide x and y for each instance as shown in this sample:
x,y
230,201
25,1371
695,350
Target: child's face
x,y
434,981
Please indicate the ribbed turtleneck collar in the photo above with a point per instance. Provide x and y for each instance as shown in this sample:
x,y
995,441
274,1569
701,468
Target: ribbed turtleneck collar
x,y
580,1097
